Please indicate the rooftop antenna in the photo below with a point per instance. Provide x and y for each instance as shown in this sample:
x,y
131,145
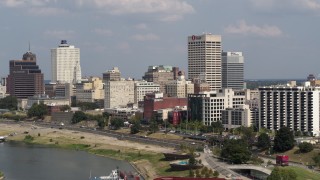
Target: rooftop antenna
x,y
29,46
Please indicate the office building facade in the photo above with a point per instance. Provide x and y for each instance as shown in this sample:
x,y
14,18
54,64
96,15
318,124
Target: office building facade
x,y
180,87
232,70
65,64
204,59
141,88
25,78
119,93
161,75
294,107
112,75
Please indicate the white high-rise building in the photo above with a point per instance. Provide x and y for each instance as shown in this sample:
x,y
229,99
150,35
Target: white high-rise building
x,y
65,63
204,59
295,107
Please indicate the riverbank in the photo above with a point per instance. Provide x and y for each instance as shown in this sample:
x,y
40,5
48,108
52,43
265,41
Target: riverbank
x,y
1,175
147,159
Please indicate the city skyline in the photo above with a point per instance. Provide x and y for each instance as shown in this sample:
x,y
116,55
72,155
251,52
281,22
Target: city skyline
x,y
277,38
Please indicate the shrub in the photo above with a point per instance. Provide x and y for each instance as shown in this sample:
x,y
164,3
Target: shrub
x,y
305,147
216,174
82,137
28,138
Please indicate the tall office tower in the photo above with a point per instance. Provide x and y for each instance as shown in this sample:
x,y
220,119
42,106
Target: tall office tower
x,y
295,107
161,75
25,78
232,70
204,59
112,75
65,63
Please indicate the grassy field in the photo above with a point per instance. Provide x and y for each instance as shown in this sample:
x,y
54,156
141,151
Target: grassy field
x,y
304,174
305,158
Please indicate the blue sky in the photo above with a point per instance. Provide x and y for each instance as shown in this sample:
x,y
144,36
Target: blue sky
x,y
279,39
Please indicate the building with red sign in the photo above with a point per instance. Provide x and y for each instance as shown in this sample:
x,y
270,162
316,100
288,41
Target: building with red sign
x,y
156,101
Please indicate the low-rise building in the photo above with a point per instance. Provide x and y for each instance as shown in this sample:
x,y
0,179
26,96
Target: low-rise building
x,y
156,101
236,117
45,100
119,93
141,88
180,87
122,113
91,90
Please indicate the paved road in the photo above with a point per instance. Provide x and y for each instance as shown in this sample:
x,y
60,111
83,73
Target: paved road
x,y
248,166
273,161
207,159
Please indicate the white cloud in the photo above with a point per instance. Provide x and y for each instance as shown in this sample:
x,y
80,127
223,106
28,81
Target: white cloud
x,y
18,3
141,26
103,32
171,18
296,5
243,28
124,47
310,4
169,10
47,11
143,6
146,37
60,34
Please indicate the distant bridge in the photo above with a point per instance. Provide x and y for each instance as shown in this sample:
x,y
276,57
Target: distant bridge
x,y
252,167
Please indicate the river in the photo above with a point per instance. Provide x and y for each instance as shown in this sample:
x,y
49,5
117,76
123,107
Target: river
x,y
20,161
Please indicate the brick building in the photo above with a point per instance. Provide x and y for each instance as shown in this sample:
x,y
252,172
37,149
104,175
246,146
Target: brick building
x,y
156,101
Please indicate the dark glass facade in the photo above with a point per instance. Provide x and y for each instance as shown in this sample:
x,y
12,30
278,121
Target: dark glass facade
x,y
25,78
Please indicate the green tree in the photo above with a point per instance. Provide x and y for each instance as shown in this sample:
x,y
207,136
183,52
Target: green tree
x,y
192,160
153,127
305,147
316,159
216,174
263,141
65,108
217,127
9,102
236,151
87,106
117,123
248,134
101,121
191,173
135,127
198,175
38,110
78,116
284,140
282,174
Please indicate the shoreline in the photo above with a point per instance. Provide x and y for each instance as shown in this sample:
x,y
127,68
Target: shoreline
x,y
139,155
